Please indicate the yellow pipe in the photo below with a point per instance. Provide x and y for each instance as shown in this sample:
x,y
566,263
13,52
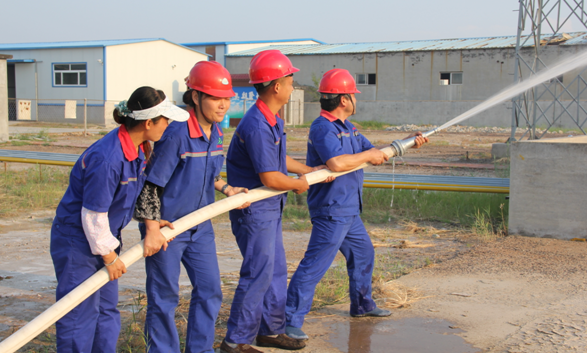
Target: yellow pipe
x,y
406,185
432,187
35,161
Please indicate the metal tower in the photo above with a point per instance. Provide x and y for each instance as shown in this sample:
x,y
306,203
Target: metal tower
x,y
558,100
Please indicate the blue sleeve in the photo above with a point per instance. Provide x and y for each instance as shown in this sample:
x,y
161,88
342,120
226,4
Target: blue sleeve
x,y
263,151
165,158
101,180
326,143
365,144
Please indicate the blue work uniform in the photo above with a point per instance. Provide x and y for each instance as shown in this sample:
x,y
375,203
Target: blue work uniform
x,y
108,177
258,307
335,208
185,162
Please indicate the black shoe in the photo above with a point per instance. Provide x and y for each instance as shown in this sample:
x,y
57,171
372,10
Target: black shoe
x,y
282,341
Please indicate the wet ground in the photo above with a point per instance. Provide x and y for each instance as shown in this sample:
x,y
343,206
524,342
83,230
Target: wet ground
x,y
405,336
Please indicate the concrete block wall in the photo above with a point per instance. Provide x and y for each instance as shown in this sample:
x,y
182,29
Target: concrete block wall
x,y
3,98
548,196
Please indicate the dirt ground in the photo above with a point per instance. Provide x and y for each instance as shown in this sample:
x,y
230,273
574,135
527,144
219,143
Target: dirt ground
x,y
513,294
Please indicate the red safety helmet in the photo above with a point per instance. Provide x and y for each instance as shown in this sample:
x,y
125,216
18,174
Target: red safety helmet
x,y
338,81
211,78
270,65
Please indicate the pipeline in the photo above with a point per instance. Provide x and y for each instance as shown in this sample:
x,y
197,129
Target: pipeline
x,y
132,255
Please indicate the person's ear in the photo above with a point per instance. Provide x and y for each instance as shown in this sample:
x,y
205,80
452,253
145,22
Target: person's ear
x,y
344,101
276,87
148,124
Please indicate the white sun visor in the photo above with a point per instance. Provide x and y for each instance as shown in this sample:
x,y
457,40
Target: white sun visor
x,y
165,108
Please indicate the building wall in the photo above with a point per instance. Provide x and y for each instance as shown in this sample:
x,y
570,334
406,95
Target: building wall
x,y
408,85
3,99
48,94
158,64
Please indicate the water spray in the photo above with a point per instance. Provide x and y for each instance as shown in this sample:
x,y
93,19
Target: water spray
x,y
397,149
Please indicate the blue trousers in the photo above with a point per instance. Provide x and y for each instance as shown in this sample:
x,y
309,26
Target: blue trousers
x,y
93,326
197,251
330,234
258,307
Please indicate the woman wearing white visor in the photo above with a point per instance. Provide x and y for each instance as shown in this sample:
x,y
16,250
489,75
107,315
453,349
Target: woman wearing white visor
x,y
99,202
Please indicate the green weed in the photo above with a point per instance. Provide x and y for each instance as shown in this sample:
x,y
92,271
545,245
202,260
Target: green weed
x,y
333,288
370,125
19,143
25,190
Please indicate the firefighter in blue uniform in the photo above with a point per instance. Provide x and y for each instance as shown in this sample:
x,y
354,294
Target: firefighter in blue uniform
x,y
335,207
181,178
99,202
257,157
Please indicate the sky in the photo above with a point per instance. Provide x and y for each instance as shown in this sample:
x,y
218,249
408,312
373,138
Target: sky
x,y
187,21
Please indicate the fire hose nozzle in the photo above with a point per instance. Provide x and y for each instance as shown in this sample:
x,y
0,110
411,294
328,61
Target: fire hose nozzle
x,y
401,146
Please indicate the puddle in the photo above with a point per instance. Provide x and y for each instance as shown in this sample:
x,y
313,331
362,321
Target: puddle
x,y
412,335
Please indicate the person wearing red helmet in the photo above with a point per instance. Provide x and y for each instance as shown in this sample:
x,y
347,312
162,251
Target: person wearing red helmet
x,y
335,207
182,177
257,157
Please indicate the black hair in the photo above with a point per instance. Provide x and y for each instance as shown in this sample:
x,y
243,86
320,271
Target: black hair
x,y
142,98
329,104
189,101
260,88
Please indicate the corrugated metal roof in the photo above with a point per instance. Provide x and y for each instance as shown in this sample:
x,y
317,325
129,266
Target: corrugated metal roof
x,y
252,42
577,38
80,44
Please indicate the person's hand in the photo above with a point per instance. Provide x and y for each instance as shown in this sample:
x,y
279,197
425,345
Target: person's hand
x,y
330,178
377,157
164,223
304,185
233,190
154,240
116,270
419,140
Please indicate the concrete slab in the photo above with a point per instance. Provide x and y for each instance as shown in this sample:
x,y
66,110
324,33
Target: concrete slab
x,y
500,150
547,188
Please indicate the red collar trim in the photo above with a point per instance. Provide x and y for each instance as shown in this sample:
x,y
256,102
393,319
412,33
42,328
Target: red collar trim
x,y
128,147
193,125
266,112
328,116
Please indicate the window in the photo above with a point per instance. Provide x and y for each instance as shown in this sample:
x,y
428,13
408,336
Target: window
x,y
451,78
366,79
70,74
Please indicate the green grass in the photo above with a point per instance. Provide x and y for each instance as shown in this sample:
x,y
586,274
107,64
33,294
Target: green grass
x,y
19,143
442,206
32,189
459,208
370,125
333,288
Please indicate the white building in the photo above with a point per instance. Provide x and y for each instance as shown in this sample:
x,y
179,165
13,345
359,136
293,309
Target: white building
x,y
102,72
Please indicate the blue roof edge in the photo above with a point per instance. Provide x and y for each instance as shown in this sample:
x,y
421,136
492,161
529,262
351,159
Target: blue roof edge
x,y
87,44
